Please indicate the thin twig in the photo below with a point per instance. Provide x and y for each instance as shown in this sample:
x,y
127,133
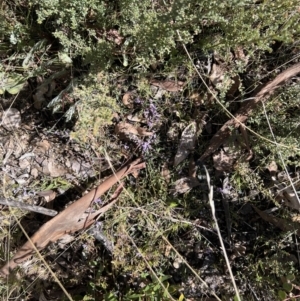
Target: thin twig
x,y
34,208
213,211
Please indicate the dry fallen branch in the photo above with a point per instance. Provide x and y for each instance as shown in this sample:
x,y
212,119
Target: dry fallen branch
x,y
28,207
77,216
262,95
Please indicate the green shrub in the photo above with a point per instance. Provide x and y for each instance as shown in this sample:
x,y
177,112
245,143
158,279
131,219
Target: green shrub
x,y
147,30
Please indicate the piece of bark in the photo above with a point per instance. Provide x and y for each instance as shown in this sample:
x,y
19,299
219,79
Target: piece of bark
x,y
243,113
77,216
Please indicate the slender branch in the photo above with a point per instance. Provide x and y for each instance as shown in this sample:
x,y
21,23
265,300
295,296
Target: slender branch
x,y
34,208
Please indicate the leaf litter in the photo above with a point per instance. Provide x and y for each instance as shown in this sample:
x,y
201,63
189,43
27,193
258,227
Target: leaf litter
x,y
44,157
187,143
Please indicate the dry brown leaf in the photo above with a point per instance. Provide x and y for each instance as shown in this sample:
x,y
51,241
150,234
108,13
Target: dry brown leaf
x,y
24,163
168,85
127,99
133,118
34,172
39,97
143,132
283,224
42,146
49,195
126,131
74,218
187,143
296,218
224,161
53,169
184,185
217,75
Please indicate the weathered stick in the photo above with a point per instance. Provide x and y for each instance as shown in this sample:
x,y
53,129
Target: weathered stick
x,y
28,207
76,217
243,113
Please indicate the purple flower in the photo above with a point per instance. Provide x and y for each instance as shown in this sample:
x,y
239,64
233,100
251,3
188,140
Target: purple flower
x,y
151,114
98,201
138,100
98,225
146,145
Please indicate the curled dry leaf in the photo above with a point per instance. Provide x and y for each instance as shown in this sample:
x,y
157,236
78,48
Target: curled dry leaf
x,y
43,90
224,161
49,195
216,75
50,167
144,132
184,185
187,143
42,146
126,99
133,118
235,84
126,131
168,85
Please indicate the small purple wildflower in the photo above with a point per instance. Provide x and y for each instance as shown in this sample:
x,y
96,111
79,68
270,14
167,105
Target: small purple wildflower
x,y
146,145
151,114
98,201
98,225
138,100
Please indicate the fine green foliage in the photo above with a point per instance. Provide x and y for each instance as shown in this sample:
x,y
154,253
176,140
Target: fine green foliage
x,y
283,113
95,106
142,32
